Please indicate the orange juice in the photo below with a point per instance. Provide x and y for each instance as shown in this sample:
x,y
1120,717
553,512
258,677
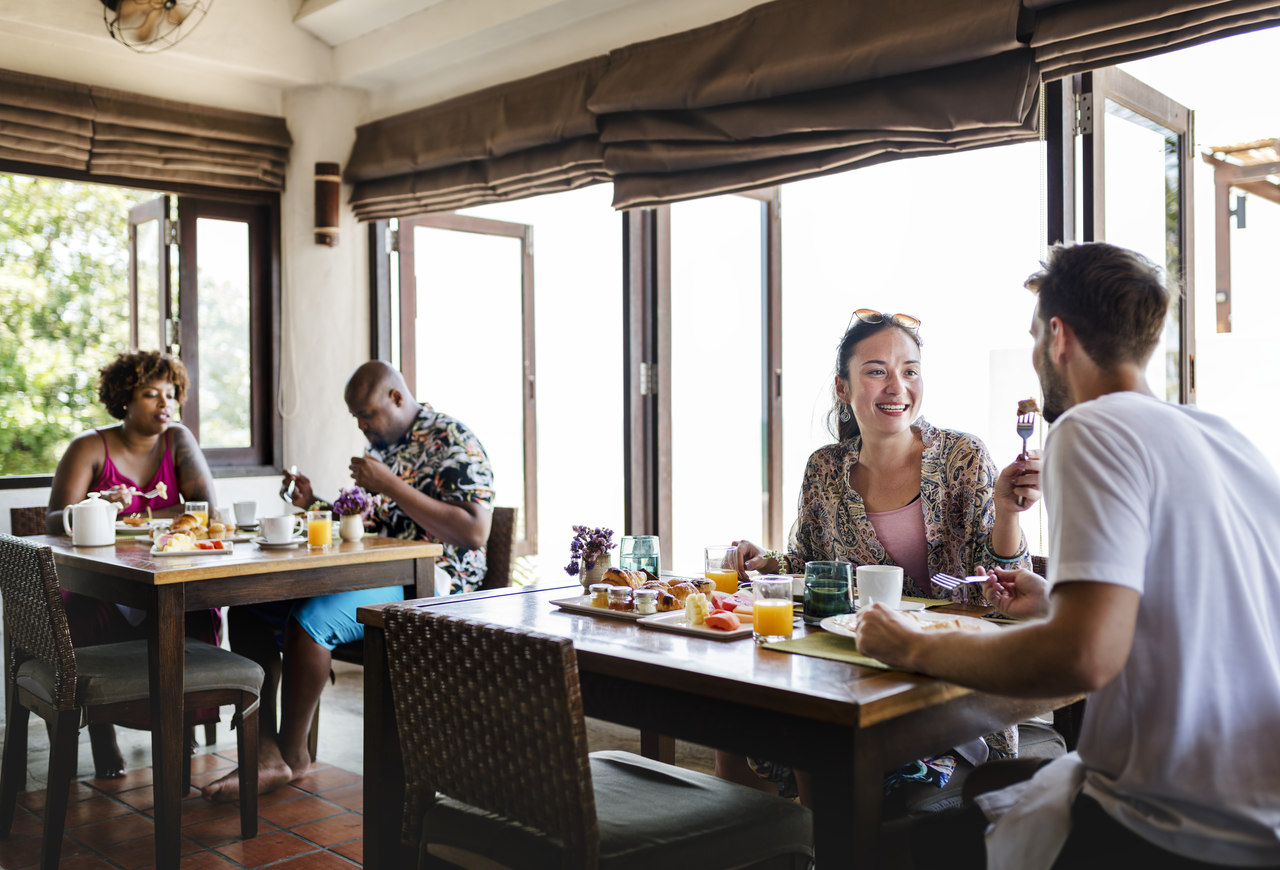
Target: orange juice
x,y
203,517
726,581
319,533
773,618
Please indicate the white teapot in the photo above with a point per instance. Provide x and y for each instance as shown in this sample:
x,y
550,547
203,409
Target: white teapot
x,y
92,522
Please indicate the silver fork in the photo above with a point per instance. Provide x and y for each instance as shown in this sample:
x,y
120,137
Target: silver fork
x,y
948,581
1026,426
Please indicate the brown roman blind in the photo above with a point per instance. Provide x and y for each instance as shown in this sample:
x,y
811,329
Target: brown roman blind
x,y
1071,36
48,122
519,139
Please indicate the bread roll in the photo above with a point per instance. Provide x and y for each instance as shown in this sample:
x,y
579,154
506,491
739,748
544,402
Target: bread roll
x,y
217,531
184,523
668,602
682,590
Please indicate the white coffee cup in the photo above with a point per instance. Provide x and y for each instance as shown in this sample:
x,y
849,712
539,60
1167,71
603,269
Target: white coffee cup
x,y
246,513
280,530
879,583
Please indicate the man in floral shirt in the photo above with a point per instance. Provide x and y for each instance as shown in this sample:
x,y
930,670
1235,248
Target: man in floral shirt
x,y
431,481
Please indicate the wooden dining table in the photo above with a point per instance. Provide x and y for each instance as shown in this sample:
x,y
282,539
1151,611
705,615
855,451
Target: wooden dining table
x,y
168,586
844,723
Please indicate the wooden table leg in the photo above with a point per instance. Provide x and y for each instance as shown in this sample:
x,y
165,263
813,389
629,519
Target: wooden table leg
x,y
166,653
383,763
657,746
843,808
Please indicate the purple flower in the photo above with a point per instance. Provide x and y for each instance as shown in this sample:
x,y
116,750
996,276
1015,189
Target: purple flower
x,y
352,501
587,546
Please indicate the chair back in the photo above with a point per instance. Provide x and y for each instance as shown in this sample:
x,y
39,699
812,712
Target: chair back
x,y
492,716
498,551
35,622
24,521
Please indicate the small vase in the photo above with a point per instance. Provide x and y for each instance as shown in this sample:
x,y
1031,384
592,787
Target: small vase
x,y
596,574
351,527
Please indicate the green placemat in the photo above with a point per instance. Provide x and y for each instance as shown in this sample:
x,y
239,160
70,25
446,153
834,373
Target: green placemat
x,y
825,645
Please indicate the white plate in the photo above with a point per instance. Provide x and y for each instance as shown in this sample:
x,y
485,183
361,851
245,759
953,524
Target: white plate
x,y
230,548
907,606
582,604
843,624
277,545
140,529
675,621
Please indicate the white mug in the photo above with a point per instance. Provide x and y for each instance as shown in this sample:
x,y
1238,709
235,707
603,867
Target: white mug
x,y
246,513
882,583
282,529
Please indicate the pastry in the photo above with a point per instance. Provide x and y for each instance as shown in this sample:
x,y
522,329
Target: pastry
x,y
668,602
1028,406
683,589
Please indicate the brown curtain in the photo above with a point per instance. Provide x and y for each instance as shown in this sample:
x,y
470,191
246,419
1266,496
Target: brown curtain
x,y
99,131
1071,36
527,137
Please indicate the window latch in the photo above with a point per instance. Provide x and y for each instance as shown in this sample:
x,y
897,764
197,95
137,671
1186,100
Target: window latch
x,y
648,379
171,229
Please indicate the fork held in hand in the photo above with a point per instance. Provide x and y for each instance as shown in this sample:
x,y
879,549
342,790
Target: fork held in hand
x,y
1026,426
947,581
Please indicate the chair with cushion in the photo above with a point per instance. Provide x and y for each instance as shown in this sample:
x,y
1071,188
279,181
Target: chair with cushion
x,y
68,688
497,772
27,521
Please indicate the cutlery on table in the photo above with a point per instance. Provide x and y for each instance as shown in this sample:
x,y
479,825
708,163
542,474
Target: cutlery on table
x,y
160,490
1026,426
948,581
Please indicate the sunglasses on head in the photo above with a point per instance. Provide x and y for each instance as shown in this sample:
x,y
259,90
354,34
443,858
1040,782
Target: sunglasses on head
x,y
906,321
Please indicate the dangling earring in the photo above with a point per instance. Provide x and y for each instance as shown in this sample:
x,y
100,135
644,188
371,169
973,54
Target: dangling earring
x,y
845,416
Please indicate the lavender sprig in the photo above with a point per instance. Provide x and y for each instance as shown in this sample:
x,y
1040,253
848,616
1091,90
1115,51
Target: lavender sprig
x,y
587,545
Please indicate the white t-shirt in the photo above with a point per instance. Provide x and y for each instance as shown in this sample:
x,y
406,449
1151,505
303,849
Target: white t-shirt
x,y
1183,746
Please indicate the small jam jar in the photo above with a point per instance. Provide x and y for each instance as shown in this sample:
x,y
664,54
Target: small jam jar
x,y
599,594
646,600
620,598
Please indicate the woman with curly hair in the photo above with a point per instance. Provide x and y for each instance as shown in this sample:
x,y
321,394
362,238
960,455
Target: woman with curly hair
x,y
144,391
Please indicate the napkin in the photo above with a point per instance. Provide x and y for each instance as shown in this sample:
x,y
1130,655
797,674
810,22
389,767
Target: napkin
x,y
825,645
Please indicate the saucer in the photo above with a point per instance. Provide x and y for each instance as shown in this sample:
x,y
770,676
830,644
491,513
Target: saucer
x,y
270,545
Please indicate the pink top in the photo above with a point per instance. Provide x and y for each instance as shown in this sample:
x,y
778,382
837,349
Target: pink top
x,y
902,534
166,474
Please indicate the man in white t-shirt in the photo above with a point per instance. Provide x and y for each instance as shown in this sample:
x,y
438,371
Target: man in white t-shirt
x,y
1162,602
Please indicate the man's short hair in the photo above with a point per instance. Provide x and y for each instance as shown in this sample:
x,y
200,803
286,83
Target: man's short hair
x,y
1112,298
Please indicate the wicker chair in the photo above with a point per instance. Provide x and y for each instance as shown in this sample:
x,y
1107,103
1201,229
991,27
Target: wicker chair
x,y
44,674
25,521
497,771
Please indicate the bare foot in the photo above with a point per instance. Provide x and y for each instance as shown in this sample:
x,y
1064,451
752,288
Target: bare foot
x,y
300,764
271,776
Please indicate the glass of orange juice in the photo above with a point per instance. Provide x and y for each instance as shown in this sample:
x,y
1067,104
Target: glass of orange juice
x,y
720,567
198,509
773,615
319,529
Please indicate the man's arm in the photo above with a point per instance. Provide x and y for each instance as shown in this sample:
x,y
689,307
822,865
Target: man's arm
x,y
1081,646
460,523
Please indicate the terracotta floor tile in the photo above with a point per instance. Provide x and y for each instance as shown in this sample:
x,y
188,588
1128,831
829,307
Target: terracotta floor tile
x,y
101,835
279,796
353,851
26,824
300,812
327,779
207,762
206,861
141,799
34,800
318,861
196,810
266,849
349,796
94,809
328,832
132,779
218,832
16,852
85,861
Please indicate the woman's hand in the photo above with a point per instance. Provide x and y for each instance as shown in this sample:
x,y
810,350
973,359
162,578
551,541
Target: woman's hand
x,y
1020,594
886,635
750,559
122,494
1018,486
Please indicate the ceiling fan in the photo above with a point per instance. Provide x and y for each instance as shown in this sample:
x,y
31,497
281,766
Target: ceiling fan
x,y
152,25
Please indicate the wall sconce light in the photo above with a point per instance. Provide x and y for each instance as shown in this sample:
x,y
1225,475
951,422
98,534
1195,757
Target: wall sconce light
x,y
328,185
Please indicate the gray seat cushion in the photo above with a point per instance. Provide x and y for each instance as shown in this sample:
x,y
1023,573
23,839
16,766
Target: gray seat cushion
x,y
115,672
650,815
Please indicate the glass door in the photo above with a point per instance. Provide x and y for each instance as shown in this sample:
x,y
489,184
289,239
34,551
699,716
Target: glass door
x,y
1134,150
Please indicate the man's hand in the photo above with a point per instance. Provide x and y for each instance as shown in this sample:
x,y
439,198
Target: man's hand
x,y
303,496
887,635
372,474
1020,594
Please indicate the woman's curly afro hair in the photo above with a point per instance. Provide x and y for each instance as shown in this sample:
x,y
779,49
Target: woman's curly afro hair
x,y
120,377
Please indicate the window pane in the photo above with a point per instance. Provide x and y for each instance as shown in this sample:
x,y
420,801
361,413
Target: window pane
x,y
223,310
948,239
717,415
469,349
578,316
1141,176
148,247
64,291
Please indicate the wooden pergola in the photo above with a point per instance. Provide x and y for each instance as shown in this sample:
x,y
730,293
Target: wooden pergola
x,y
1253,167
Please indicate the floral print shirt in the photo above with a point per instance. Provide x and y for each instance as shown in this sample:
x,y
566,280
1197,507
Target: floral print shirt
x,y
957,488
443,459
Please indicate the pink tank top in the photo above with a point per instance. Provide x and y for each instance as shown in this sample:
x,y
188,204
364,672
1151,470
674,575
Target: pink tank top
x,y
902,533
166,474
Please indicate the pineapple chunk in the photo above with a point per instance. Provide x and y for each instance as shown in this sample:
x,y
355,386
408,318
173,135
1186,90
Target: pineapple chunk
x,y
696,608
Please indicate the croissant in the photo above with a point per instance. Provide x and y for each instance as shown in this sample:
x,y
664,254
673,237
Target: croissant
x,y
668,602
623,577
682,590
184,523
